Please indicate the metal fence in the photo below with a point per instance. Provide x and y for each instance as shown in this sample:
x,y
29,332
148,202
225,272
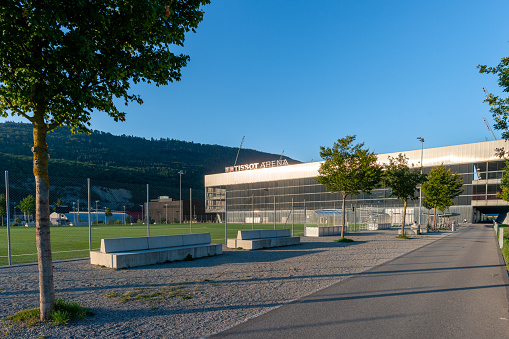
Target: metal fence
x,y
80,211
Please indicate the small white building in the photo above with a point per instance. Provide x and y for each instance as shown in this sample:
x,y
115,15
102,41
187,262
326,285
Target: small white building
x,y
58,219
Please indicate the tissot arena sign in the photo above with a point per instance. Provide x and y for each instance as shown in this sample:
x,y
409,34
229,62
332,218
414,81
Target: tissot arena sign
x,y
256,165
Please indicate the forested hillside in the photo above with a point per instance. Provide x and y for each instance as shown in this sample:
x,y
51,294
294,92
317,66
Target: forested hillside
x,y
119,160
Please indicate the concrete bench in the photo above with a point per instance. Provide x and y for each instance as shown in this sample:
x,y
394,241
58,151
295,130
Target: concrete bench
x,y
414,230
140,251
253,240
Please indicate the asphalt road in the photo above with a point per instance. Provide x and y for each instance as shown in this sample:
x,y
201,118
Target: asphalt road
x,y
456,287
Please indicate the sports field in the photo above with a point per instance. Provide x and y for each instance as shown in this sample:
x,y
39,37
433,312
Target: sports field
x,y
69,242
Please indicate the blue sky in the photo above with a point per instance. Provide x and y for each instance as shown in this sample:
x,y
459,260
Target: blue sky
x,y
297,75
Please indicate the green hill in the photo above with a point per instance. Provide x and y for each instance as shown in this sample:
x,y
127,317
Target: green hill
x,y
115,164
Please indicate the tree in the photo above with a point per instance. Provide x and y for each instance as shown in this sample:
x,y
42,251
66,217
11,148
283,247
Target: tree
x,y
27,206
427,206
440,188
499,107
107,213
62,60
55,209
402,181
3,207
348,169
504,183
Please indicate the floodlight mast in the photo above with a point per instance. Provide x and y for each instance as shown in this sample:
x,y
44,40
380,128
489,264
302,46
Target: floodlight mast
x,y
420,188
180,196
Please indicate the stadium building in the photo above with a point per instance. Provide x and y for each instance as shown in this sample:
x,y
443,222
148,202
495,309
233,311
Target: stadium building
x,y
275,192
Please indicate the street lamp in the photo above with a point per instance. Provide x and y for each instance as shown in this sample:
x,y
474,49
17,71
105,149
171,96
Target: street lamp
x,y
141,212
420,188
123,217
180,198
96,215
166,207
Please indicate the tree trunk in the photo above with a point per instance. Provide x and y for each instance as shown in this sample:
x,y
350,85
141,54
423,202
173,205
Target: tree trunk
x,y
435,219
403,219
343,216
40,165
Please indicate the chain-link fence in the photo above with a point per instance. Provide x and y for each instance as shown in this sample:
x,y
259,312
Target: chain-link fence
x,y
84,211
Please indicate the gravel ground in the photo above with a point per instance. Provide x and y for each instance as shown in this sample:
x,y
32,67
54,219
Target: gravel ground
x,y
197,298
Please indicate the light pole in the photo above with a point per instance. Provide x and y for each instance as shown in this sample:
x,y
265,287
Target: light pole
x,y
252,206
166,207
96,215
180,197
420,188
123,217
141,212
74,213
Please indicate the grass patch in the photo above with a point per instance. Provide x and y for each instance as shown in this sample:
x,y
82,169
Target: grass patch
x,y
24,249
29,317
505,247
65,312
402,236
152,295
344,240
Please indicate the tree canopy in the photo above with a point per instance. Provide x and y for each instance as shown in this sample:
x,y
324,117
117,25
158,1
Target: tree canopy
x,y
349,169
440,188
499,106
504,183
66,59
402,181
27,205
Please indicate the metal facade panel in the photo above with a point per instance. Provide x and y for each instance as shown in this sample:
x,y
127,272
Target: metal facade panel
x,y
307,170
448,155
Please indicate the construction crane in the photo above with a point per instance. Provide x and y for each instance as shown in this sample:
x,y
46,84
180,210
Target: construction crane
x,y
281,157
498,115
237,157
488,125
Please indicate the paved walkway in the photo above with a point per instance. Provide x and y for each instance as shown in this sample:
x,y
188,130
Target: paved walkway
x,y
456,287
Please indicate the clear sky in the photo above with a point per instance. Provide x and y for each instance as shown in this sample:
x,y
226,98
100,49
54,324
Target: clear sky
x,y
297,75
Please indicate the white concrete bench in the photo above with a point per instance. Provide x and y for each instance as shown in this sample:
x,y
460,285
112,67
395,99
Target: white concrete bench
x,y
140,251
253,240
414,230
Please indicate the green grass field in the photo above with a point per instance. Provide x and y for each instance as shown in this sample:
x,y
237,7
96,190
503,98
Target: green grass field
x,y
69,242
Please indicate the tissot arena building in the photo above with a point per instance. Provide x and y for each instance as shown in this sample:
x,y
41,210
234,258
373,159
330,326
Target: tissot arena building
x,y
275,192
